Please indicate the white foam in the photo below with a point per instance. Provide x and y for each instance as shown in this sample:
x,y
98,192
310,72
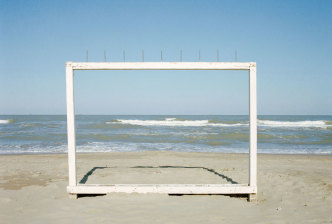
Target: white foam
x,y
200,123
170,119
5,121
132,147
174,122
303,124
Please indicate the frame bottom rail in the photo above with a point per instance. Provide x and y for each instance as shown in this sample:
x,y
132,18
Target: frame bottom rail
x,y
163,188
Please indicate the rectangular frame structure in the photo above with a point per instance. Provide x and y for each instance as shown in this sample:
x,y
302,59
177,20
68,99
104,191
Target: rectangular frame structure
x,y
251,188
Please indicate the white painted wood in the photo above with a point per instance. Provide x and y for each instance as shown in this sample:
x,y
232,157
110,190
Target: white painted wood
x,y
162,65
73,196
252,197
163,188
253,127
71,124
73,188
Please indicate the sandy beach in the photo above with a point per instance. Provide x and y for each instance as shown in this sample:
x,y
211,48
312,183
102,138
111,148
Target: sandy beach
x,y
291,188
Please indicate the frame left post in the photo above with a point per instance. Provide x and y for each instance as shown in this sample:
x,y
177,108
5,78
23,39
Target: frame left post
x,y
71,126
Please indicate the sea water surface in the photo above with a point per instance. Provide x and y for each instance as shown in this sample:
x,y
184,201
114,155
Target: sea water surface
x,y
199,133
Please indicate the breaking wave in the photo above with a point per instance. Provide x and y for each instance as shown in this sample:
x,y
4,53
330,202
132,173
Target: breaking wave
x,y
174,122
8,121
300,124
92,147
199,123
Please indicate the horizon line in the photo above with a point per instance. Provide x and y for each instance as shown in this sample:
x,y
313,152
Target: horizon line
x,y
168,114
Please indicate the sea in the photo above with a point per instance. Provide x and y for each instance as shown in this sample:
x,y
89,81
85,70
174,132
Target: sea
x,y
25,134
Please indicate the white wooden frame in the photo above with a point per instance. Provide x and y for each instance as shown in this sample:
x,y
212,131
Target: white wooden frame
x,y
251,188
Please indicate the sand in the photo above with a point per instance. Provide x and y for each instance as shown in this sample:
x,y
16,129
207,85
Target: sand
x,y
292,188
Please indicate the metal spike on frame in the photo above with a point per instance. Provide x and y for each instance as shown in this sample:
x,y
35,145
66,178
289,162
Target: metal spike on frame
x,y
181,55
162,56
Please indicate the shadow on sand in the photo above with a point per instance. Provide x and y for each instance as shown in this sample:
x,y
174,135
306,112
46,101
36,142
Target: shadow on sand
x,y
228,179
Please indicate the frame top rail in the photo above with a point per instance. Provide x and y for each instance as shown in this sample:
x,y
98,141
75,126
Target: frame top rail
x,y
161,65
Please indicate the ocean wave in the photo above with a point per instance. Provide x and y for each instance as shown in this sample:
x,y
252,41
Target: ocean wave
x,y
199,123
175,122
99,147
41,124
299,124
8,121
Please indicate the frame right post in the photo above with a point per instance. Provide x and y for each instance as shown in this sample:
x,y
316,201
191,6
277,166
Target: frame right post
x,y
253,130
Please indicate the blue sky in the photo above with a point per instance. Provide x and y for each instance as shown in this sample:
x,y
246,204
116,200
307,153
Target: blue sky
x,y
291,41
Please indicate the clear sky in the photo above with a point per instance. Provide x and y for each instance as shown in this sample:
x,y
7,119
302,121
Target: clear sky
x,y
291,41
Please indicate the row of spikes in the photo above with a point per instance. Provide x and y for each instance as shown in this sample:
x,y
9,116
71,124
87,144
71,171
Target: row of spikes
x,y
161,56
